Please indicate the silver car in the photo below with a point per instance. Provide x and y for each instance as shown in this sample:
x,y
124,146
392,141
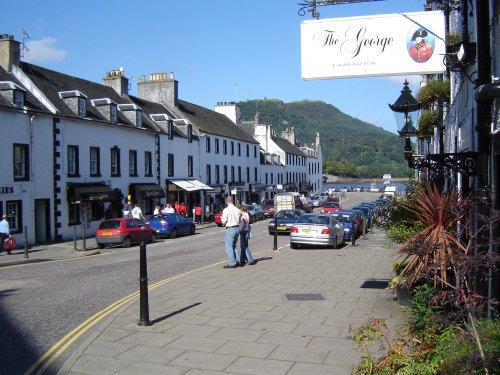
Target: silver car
x,y
255,211
313,229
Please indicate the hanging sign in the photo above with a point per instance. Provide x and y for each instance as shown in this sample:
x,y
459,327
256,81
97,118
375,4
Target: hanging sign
x,y
381,45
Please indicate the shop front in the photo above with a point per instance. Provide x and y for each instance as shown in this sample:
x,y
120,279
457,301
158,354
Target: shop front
x,y
91,202
146,195
189,192
237,190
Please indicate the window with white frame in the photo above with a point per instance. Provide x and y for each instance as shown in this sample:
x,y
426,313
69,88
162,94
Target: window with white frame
x,y
115,162
138,118
73,167
82,107
190,166
132,163
21,162
148,164
18,99
95,165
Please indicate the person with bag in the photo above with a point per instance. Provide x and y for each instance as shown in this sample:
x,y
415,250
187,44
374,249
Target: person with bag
x,y
197,213
4,234
245,230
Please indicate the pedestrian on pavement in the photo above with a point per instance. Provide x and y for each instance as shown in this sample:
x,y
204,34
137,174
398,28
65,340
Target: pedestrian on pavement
x,y
127,212
183,209
137,212
4,232
245,228
197,213
177,207
231,219
157,210
169,209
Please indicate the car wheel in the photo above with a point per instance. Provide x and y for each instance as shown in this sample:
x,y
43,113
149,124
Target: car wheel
x,y
101,246
335,242
192,231
271,233
293,245
174,233
153,238
126,242
343,240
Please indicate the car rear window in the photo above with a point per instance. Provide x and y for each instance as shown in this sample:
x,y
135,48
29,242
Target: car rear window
x,y
313,219
110,224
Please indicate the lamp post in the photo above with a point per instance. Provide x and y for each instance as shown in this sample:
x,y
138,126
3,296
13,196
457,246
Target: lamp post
x,y
403,109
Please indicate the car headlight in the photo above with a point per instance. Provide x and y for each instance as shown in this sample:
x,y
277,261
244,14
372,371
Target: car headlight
x,y
346,229
271,224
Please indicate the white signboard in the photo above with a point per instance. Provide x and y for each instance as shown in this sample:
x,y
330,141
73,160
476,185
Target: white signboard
x,y
381,45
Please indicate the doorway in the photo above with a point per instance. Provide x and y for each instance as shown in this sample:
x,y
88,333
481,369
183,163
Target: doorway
x,y
42,221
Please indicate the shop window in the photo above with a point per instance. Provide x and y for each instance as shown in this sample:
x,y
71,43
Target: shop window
x,y
14,211
21,164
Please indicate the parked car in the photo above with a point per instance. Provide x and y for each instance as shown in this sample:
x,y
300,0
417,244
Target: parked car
x,y
312,229
330,207
359,216
317,200
348,219
268,207
367,211
171,225
255,212
283,221
123,231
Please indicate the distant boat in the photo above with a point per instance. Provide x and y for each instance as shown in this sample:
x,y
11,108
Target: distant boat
x,y
387,178
373,188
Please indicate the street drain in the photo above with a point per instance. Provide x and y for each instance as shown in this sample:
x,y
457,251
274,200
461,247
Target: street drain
x,y
304,297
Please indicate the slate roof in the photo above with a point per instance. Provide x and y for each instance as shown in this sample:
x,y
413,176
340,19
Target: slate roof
x,y
31,102
211,122
51,83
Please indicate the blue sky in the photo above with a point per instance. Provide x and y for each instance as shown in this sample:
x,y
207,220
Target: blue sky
x,y
221,50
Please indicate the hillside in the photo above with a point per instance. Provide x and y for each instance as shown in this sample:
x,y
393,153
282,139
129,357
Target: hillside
x,y
351,147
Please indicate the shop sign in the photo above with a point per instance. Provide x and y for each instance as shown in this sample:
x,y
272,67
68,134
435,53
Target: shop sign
x,y
10,189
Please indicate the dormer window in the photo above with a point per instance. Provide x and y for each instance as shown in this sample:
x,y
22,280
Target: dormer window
x,y
190,133
18,99
107,108
138,119
113,113
76,101
13,93
133,114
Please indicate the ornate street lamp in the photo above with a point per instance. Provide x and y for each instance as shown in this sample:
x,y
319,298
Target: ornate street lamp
x,y
404,108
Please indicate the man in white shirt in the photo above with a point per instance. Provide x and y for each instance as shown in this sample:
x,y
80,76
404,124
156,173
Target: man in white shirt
x,y
231,219
169,209
137,212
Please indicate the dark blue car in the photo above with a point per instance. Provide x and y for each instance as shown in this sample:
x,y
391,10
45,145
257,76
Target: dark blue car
x,y
283,221
348,219
368,213
171,225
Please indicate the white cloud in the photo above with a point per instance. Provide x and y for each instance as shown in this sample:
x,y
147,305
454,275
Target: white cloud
x,y
44,50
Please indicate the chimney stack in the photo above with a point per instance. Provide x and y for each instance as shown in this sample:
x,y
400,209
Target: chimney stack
x,y
10,52
116,79
159,89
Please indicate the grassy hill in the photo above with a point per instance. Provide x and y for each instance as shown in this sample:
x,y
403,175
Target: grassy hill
x,y
351,147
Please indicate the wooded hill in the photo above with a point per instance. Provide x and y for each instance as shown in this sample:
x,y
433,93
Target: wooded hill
x,y
351,147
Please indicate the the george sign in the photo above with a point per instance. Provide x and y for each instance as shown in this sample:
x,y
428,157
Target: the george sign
x,y
381,45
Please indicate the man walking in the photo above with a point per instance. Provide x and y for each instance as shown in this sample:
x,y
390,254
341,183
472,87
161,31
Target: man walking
x,y
4,232
231,219
137,212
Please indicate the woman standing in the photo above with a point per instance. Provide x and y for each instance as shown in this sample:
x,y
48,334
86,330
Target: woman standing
x,y
245,229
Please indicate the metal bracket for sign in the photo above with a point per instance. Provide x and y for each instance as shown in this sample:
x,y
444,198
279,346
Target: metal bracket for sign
x,y
464,163
310,6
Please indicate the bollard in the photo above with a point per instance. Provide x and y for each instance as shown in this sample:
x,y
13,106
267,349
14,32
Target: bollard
x,y
74,238
275,246
364,228
25,242
143,287
353,235
84,243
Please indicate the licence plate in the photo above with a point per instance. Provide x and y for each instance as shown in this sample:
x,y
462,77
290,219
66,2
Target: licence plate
x,y
107,233
281,228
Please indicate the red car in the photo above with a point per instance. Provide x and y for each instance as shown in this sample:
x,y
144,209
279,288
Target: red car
x,y
123,231
330,207
268,207
218,218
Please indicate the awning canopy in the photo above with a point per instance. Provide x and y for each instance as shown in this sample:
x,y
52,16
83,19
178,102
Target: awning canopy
x,y
147,190
90,193
256,188
190,185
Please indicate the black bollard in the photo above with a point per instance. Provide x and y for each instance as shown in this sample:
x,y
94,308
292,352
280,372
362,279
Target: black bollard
x,y
275,246
26,243
353,235
143,287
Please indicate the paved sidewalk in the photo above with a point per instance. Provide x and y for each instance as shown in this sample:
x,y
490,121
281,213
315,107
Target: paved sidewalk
x,y
61,250
254,320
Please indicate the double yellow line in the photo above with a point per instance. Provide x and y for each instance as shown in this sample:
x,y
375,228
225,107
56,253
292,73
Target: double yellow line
x,y
58,348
